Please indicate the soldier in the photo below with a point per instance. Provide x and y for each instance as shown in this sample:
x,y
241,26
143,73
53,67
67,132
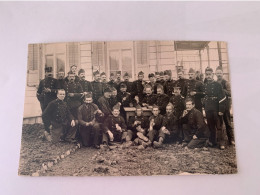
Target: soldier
x,y
124,98
73,69
61,81
194,89
149,99
138,87
127,83
97,87
114,128
161,99
151,81
159,81
118,79
74,94
177,101
112,83
195,130
103,103
104,80
137,127
58,115
90,129
86,85
214,107
156,121
113,100
226,115
181,81
169,83
157,76
169,132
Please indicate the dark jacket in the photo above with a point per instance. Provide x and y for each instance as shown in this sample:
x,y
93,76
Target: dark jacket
x,y
144,123
227,90
179,104
86,113
158,120
103,104
111,121
149,99
170,122
138,89
168,87
97,90
76,89
86,86
162,100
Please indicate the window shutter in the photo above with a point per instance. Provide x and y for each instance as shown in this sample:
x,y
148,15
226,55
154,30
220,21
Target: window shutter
x,y
33,65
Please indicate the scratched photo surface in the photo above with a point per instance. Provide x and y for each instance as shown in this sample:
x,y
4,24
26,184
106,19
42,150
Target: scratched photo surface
x,y
128,108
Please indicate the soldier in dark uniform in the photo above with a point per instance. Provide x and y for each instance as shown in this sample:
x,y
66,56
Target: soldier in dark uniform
x,y
74,94
169,132
112,83
127,83
113,100
138,87
151,81
97,87
137,127
177,101
194,89
214,104
181,81
86,85
124,98
196,132
118,80
157,76
226,115
169,83
115,128
61,81
90,128
103,103
58,115
73,69
103,80
161,99
149,99
159,81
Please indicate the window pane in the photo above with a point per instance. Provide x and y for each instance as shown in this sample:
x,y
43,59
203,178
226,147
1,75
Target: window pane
x,y
114,61
127,62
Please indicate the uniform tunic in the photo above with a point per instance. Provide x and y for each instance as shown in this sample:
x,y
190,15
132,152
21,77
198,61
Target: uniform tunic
x,y
128,85
97,90
179,104
162,100
103,104
86,85
149,99
158,120
61,83
170,122
181,83
169,87
138,89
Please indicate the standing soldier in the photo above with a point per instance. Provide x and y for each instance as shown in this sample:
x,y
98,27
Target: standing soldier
x,y
181,81
138,87
127,83
118,79
97,87
214,107
103,103
61,81
226,115
169,83
86,85
103,77
151,81
161,99
194,89
157,76
73,69
112,83
159,81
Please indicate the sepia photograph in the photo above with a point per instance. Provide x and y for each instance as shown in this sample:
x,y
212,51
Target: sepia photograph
x,y
128,108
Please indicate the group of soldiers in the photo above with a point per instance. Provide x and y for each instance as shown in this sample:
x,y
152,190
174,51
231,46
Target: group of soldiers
x,y
93,113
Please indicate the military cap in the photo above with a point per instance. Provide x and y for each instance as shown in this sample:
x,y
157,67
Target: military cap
x,y
157,73
70,72
161,74
122,85
140,73
126,74
150,75
191,70
112,74
81,71
168,72
138,107
102,74
208,69
116,107
219,68
73,65
48,69
95,73
107,90
180,70
118,72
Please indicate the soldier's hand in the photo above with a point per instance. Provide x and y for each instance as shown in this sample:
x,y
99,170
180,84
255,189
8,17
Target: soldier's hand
x,y
71,94
192,93
144,104
194,137
111,136
47,90
124,99
220,113
184,113
72,123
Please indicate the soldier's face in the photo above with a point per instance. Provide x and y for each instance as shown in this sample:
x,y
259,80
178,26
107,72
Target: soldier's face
x,y
88,100
151,79
71,77
48,74
180,75
157,77
169,109
74,69
219,74
61,94
155,111
97,77
162,77
82,75
167,77
107,94
123,89
116,112
112,78
118,76
103,78
139,112
189,105
159,91
176,91
126,78
61,75
114,93
148,91
191,76
209,75
140,77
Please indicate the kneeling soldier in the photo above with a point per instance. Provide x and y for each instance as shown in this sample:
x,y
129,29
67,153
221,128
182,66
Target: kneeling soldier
x,y
114,127
58,115
195,130
90,129
169,131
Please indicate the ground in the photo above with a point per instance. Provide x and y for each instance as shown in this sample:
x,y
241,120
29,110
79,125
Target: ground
x,y
41,157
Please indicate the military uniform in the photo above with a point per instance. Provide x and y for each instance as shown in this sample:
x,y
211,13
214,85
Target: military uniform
x,y
128,85
110,124
86,85
90,135
58,115
143,122
179,104
158,120
194,124
181,83
138,89
76,78
61,83
97,90
214,102
104,105
168,87
162,100
149,99
112,84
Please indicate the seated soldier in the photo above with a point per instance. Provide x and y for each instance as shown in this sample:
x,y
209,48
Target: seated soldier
x,y
123,97
149,99
114,128
90,129
156,121
169,131
58,115
195,130
137,127
113,98
161,99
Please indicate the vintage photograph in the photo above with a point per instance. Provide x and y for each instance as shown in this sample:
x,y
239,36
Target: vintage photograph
x,y
128,108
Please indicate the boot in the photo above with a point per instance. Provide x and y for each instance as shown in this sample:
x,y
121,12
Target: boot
x,y
159,143
142,137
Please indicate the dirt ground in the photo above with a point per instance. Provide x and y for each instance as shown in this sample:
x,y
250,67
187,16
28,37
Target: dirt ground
x,y
169,160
